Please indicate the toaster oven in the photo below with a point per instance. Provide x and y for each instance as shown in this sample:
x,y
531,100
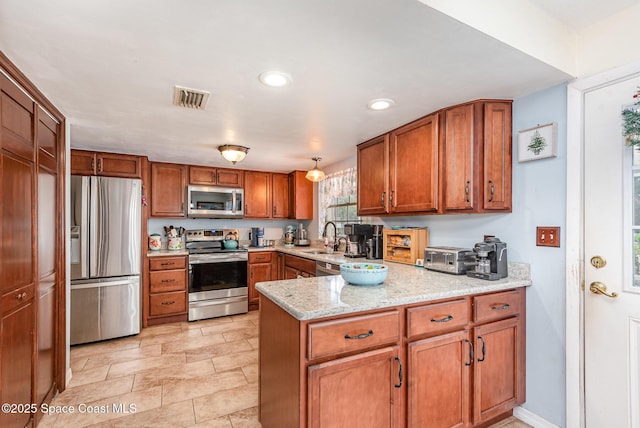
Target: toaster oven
x,y
452,260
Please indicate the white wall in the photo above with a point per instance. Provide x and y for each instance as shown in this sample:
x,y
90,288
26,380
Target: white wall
x,y
538,200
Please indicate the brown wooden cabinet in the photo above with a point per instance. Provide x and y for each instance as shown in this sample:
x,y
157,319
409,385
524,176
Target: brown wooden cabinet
x,y
398,172
206,176
300,196
168,300
476,172
450,363
168,188
107,164
32,236
280,195
257,194
260,268
295,267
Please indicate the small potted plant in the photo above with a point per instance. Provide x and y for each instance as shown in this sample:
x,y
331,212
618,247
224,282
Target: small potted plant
x,y
631,121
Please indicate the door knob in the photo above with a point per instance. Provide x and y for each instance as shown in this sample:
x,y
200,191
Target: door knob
x,y
600,288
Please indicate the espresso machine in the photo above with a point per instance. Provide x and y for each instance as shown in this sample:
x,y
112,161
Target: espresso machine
x,y
357,236
492,259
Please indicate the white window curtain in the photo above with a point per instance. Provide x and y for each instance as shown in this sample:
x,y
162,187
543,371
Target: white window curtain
x,y
337,184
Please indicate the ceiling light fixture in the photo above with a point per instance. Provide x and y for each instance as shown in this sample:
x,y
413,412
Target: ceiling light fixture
x,y
380,104
315,174
275,79
232,153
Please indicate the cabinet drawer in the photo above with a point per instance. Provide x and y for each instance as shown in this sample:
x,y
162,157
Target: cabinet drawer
x,y
169,280
18,297
264,257
495,306
304,265
168,304
168,263
437,317
335,337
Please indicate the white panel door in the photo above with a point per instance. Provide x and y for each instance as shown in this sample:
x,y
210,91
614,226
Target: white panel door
x,y
612,232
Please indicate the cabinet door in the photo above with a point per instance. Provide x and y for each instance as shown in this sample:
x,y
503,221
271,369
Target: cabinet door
x,y
300,196
414,167
356,391
257,273
116,165
373,176
438,384
499,369
497,156
202,175
83,163
257,194
291,273
280,195
229,177
458,183
168,183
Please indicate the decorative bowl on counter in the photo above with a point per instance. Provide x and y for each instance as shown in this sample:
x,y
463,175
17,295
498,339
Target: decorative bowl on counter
x,y
364,273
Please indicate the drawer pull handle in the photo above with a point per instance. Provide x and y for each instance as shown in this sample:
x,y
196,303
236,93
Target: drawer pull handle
x,y
360,336
468,363
169,303
500,307
492,191
466,191
445,319
168,280
484,350
167,264
21,296
398,385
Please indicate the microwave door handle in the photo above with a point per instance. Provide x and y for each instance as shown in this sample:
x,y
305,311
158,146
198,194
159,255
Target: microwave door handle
x,y
233,202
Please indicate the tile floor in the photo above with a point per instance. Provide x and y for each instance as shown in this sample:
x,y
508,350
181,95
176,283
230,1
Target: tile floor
x,y
201,374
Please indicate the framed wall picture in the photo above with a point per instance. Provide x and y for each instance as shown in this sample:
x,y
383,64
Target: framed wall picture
x,y
538,143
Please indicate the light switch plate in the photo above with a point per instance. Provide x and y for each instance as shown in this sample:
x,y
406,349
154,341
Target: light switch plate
x,y
548,236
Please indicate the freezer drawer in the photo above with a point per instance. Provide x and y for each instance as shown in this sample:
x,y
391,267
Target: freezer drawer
x,y
104,309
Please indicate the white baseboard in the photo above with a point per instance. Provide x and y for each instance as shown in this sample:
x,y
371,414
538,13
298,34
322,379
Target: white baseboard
x,y
532,419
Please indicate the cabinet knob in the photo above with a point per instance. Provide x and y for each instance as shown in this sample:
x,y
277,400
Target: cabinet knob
x,y
21,296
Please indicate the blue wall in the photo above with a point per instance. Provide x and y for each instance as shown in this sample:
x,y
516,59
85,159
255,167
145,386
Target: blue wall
x,y
539,199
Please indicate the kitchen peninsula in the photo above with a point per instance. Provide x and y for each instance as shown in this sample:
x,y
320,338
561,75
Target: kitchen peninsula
x,y
423,348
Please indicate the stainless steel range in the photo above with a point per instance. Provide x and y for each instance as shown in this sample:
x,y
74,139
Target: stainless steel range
x,y
217,276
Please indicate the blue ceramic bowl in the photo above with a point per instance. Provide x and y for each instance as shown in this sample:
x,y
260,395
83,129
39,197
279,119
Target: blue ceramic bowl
x,y
364,273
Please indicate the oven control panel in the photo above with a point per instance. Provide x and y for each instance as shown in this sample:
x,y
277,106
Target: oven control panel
x,y
209,234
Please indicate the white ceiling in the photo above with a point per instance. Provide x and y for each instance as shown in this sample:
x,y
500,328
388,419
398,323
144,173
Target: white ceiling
x,y
110,66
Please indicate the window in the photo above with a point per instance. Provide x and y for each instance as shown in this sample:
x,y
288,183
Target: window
x,y
337,200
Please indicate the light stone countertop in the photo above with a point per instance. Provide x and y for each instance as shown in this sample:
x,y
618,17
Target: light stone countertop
x,y
164,253
319,297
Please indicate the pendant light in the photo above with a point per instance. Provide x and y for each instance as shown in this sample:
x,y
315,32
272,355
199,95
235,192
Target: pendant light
x,y
232,153
315,174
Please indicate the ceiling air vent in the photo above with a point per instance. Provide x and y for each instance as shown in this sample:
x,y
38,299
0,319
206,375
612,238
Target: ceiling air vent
x,y
192,98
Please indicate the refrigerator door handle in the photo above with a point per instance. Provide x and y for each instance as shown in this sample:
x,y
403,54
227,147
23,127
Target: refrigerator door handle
x,y
95,284
84,228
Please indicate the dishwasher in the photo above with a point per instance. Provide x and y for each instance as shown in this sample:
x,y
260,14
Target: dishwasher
x,y
327,269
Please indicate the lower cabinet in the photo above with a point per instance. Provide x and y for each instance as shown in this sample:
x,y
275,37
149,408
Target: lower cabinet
x,y
358,391
298,267
451,363
168,301
260,269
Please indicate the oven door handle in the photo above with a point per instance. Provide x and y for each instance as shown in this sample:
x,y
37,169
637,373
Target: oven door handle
x,y
214,259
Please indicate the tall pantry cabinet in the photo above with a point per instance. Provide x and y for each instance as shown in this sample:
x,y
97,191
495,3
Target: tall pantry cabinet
x,y
32,278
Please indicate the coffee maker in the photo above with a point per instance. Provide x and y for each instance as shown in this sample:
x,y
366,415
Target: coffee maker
x,y
357,235
374,244
492,259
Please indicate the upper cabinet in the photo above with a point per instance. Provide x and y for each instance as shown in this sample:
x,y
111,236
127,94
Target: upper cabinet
x,y
455,160
300,196
398,172
206,176
477,157
279,195
257,194
168,185
108,164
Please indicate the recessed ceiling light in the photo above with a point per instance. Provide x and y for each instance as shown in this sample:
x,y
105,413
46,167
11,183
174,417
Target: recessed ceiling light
x,y
275,79
380,104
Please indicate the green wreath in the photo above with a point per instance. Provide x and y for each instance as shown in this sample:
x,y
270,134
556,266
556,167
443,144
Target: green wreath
x,y
631,122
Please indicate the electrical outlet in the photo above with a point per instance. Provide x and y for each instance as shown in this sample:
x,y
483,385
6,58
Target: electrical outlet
x,y
547,236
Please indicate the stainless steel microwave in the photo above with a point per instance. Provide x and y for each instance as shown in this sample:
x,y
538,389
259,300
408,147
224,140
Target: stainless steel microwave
x,y
214,202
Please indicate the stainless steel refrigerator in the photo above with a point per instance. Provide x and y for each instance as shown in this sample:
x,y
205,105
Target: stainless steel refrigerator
x,y
105,258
